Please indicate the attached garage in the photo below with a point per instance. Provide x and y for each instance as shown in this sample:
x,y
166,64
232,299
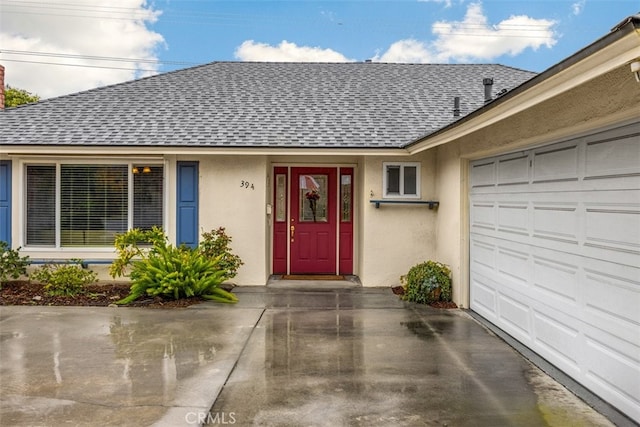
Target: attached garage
x,y
554,253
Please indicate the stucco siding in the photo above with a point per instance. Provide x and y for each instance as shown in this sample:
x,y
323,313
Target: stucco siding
x,y
449,224
395,237
233,194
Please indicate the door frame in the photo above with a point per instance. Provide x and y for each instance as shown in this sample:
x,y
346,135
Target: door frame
x,y
280,218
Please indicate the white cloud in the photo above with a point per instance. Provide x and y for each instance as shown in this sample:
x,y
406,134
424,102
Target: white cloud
x,y
409,51
474,39
578,7
471,40
286,52
90,28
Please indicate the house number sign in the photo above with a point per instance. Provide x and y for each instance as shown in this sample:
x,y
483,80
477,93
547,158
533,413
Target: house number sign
x,y
246,185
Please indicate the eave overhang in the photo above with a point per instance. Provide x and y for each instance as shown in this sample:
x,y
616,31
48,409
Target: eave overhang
x,y
618,48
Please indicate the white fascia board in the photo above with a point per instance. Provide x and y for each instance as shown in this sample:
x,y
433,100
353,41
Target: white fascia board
x,y
619,53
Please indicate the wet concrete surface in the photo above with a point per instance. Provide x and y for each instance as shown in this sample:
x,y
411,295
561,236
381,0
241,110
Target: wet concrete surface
x,y
280,357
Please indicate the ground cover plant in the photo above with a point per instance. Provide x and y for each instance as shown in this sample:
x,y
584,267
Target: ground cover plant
x,y
61,279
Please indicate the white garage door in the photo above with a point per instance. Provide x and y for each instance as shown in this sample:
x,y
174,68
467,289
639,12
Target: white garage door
x,y
555,256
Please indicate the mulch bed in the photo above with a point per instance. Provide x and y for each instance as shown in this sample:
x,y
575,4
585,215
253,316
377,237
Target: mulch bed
x,y
107,293
96,295
399,290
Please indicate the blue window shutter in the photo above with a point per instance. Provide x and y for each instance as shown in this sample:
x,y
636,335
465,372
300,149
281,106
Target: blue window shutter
x,y
5,201
187,209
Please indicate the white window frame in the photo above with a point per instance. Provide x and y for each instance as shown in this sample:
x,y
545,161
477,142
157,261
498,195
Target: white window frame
x,y
58,162
401,194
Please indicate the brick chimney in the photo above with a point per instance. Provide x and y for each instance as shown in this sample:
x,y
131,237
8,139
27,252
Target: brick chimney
x,y
1,87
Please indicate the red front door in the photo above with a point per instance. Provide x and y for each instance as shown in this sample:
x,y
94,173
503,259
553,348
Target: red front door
x,y
312,224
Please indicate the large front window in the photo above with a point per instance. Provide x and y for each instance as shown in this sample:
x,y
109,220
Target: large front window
x,y
71,205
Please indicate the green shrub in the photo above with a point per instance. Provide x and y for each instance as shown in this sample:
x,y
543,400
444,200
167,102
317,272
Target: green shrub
x,y
427,282
165,270
134,244
12,265
64,279
215,244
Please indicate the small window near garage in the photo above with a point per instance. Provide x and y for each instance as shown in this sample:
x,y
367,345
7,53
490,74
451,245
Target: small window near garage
x,y
401,180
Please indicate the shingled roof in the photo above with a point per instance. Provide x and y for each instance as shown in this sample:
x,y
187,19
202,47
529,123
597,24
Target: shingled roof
x,y
252,104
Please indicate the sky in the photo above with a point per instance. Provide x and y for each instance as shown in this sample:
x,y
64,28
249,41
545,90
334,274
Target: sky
x,y
56,47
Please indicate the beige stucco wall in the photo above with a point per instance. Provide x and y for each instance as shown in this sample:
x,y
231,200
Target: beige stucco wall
x,y
604,102
395,237
225,202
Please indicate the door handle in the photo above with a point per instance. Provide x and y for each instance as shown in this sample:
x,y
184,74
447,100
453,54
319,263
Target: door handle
x,y
293,229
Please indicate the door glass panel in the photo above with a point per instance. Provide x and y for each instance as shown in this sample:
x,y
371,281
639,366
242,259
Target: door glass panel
x,y
313,198
281,205
345,198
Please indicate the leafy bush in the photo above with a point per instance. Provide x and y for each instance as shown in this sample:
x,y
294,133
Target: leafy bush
x,y
64,279
128,246
215,244
12,265
427,282
165,270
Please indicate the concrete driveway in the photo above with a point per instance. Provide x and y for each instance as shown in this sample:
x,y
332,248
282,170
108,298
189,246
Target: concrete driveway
x,y
281,357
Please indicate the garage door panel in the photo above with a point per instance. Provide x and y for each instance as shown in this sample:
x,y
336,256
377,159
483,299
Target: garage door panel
x,y
614,374
514,264
613,303
559,338
558,280
558,163
614,157
483,297
483,255
515,314
483,174
484,216
513,217
613,227
555,256
556,221
513,170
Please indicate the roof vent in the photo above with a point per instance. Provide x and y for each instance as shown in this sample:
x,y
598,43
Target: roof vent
x,y
456,106
488,85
